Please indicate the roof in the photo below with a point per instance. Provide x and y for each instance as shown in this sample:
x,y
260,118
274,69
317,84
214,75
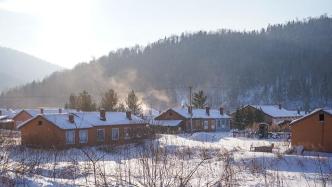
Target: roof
x,y
198,113
35,112
87,119
166,123
329,111
276,112
10,113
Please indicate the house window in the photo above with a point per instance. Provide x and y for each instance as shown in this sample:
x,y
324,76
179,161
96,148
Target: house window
x,y
206,124
83,136
40,123
115,133
213,126
100,135
321,116
223,123
70,137
218,121
126,133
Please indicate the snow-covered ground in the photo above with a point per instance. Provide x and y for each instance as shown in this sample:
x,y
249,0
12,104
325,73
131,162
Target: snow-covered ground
x,y
200,159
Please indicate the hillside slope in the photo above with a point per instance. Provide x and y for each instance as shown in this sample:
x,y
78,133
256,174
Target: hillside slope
x,y
18,68
286,63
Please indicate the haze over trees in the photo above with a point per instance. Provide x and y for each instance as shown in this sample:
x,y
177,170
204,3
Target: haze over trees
x,y
285,63
17,68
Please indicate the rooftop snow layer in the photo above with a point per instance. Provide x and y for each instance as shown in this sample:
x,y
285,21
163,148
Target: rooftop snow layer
x,y
35,112
88,119
166,123
275,111
10,113
200,113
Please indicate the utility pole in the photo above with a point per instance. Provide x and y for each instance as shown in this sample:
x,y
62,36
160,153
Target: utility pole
x,y
191,109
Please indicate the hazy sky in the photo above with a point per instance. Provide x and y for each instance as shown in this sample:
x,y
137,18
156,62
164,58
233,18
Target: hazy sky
x,y
67,32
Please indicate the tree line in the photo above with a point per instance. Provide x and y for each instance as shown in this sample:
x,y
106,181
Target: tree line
x,y
110,101
287,63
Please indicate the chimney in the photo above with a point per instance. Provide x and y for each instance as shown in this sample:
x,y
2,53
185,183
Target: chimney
x,y
279,106
71,118
128,115
207,109
190,109
221,109
102,114
298,111
60,110
0,112
41,110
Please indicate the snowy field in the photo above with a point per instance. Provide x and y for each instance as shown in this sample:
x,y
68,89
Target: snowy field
x,y
200,159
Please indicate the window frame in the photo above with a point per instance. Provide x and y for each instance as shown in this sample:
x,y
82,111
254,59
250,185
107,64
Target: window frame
x,y
206,124
118,134
126,133
73,137
99,140
80,136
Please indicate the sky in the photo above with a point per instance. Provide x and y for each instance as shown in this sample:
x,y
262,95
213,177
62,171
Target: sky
x,y
66,32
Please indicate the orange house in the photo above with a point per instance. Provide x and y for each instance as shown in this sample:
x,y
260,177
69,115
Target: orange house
x,y
26,114
82,129
313,131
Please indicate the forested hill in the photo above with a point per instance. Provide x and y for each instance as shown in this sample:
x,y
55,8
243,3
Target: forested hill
x,y
17,68
285,63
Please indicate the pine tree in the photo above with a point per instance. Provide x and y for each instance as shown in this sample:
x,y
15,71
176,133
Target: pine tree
x,y
258,116
121,108
110,100
73,102
238,120
133,103
85,102
199,99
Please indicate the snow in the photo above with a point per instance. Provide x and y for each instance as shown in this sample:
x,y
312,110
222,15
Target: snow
x,y
88,119
35,112
199,113
276,112
10,113
248,168
166,123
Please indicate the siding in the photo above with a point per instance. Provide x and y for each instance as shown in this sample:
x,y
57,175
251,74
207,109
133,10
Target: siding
x,y
312,135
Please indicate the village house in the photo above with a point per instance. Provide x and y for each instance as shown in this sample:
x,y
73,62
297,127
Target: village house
x,y
6,121
313,131
192,120
62,130
273,115
25,114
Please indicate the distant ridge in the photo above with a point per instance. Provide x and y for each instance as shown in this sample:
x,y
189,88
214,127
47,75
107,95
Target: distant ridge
x,y
17,68
287,63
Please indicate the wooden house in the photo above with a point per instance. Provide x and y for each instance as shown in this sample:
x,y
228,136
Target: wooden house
x,y
24,115
313,131
62,130
194,120
274,115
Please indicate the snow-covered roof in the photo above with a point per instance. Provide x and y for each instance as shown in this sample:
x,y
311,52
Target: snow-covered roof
x,y
275,111
35,112
200,113
329,111
10,113
3,117
166,123
87,119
